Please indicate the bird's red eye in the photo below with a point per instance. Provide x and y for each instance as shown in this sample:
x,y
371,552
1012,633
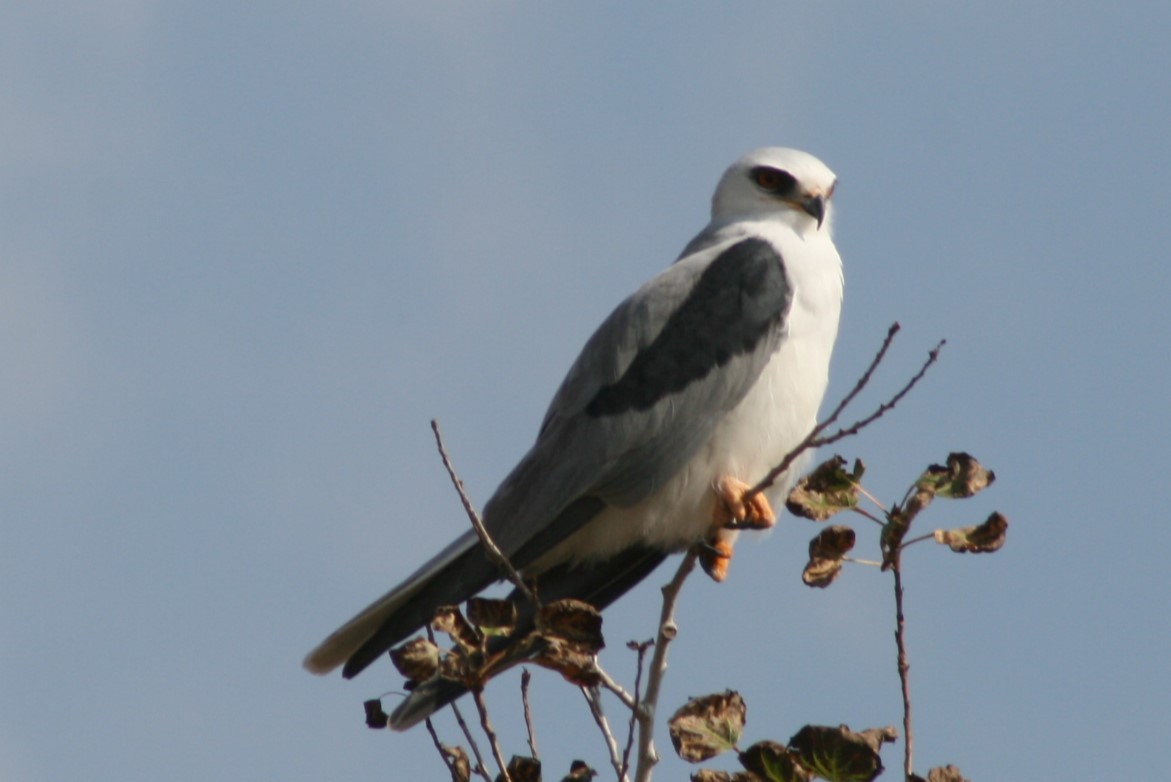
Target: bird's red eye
x,y
767,178
773,180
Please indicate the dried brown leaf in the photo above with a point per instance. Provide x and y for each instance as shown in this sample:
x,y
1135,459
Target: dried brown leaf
x,y
448,619
980,539
829,489
710,775
961,477
522,769
375,717
417,659
774,762
946,774
826,551
457,762
840,754
575,621
704,727
576,662
493,617
579,772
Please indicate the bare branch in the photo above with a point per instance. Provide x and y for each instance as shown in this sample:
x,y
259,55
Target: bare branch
x,y
647,757
490,732
904,665
525,678
641,649
480,769
449,756
592,698
494,552
608,683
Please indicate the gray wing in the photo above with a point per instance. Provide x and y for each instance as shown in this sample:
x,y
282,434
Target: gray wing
x,y
645,393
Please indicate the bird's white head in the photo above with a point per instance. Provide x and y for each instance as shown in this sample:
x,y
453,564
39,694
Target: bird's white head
x,y
777,183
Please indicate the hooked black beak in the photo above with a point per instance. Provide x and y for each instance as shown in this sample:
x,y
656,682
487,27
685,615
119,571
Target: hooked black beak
x,y
814,206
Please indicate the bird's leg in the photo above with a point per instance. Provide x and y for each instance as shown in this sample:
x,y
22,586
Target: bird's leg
x,y
737,512
730,513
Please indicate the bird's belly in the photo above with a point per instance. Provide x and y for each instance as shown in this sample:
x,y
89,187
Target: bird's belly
x,y
752,439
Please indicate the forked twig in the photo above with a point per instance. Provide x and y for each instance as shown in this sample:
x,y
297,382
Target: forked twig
x,y
480,769
641,649
815,440
595,703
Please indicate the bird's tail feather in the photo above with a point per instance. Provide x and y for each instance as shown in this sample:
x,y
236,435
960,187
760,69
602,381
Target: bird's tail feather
x,y
349,639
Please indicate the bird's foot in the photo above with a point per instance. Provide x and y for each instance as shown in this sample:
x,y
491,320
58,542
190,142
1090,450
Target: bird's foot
x,y
715,554
735,511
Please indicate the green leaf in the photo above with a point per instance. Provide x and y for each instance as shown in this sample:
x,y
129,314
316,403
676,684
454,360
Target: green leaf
x,y
829,489
826,552
705,727
774,762
980,539
839,754
961,477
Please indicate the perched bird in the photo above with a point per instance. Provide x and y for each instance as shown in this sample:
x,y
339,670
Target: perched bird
x,y
688,393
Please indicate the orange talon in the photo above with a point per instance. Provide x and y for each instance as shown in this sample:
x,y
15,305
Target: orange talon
x,y
715,557
732,510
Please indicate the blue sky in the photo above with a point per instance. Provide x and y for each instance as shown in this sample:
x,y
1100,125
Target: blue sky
x,y
247,252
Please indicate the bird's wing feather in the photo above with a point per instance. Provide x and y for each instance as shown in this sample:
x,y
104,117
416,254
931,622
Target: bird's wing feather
x,y
648,388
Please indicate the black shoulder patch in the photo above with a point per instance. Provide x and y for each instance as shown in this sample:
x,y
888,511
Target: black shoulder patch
x,y
734,304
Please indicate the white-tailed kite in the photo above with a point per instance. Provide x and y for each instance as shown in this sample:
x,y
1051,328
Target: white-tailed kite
x,y
692,390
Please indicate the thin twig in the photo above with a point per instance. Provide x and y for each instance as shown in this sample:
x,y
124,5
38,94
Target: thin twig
x,y
640,648
903,664
525,678
807,443
647,757
480,768
494,552
592,698
448,760
608,683
490,732
887,406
